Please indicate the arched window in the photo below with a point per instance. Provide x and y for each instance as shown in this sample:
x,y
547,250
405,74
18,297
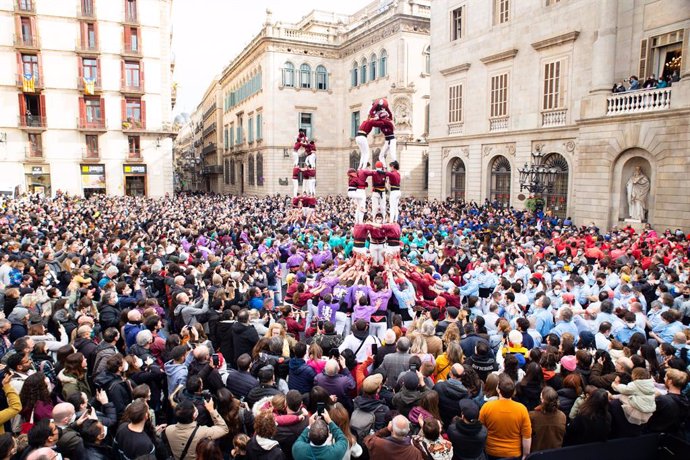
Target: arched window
x,y
457,179
383,64
354,159
557,200
251,170
372,68
289,75
305,76
500,181
321,78
355,71
427,59
363,73
232,171
260,169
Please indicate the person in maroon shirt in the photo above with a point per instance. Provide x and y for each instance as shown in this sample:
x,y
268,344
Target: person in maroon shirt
x,y
380,116
393,176
377,240
378,185
310,170
393,234
300,143
356,190
360,233
295,180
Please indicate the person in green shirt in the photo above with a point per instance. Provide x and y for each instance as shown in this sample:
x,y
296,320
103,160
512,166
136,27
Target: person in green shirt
x,y
312,445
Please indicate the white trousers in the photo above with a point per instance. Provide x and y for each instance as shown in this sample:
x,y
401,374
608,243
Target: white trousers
x,y
389,148
364,152
378,204
295,187
377,252
394,199
359,198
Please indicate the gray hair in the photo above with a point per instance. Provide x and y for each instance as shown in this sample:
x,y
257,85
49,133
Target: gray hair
x,y
144,337
401,426
428,328
331,368
403,344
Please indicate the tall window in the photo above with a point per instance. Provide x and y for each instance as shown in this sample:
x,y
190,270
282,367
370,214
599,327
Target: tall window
x,y
305,76
355,124
427,60
457,179
134,144
289,75
321,78
232,171
35,145
383,64
91,146
354,159
557,199
26,5
554,90
91,35
501,11
259,128
363,73
260,169
30,64
500,181
306,122
226,171
355,74
457,17
226,140
132,74
27,33
372,68
87,8
455,104
131,10
499,95
93,109
90,68
251,170
231,132
133,107
132,39
250,129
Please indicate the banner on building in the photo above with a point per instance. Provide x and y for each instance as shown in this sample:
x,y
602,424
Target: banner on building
x,y
89,86
28,83
93,176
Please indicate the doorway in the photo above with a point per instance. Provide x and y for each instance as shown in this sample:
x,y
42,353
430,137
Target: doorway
x,y
135,185
241,178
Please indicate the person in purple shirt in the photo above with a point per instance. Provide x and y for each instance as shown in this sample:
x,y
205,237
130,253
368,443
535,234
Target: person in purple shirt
x,y
295,260
379,298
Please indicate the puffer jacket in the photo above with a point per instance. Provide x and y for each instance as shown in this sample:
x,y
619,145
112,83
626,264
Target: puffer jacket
x,y
71,384
103,352
450,392
301,376
118,390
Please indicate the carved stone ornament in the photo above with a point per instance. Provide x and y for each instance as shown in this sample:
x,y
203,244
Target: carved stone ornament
x,y
402,113
569,146
465,152
445,153
507,149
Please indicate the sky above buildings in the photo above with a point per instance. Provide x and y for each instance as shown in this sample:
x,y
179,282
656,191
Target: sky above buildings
x,y
207,34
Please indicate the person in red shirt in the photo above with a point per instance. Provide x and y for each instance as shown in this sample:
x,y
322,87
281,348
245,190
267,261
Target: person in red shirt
x,y
295,180
393,234
310,169
301,143
378,185
308,208
360,233
380,116
393,175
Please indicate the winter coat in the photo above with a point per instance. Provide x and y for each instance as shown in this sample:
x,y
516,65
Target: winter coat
x,y
141,352
109,316
671,411
118,390
244,337
14,405
87,347
103,352
178,435
339,385
391,448
586,430
131,331
224,341
240,383
638,400
548,430
286,435
259,392
301,376
406,399
483,364
529,394
70,384
374,406
176,375
468,440
566,399
450,392
259,448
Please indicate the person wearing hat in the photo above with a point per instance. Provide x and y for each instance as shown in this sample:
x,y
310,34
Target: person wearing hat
x,y
467,433
413,387
370,402
514,346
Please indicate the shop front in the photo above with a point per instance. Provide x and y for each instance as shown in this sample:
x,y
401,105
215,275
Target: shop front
x,y
135,180
93,179
37,179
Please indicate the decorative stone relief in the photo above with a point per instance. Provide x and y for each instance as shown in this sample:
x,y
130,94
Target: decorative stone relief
x,y
465,152
569,146
507,149
402,113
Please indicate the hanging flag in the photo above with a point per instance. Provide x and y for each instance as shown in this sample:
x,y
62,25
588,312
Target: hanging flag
x,y
28,83
89,86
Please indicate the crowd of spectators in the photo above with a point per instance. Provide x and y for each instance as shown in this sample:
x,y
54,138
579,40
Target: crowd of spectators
x,y
205,327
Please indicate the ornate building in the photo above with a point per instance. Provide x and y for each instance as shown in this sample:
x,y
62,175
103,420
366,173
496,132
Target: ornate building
x,y
86,92
322,74
510,78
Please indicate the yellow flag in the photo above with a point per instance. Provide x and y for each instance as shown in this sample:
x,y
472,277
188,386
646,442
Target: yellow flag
x,y
89,86
28,83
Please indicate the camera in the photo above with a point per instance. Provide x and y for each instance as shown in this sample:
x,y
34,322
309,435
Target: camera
x,y
206,394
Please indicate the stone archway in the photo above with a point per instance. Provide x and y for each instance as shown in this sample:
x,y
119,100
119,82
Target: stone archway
x,y
456,179
626,189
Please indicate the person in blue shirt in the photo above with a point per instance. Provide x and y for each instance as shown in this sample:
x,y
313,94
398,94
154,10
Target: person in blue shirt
x,y
629,328
566,324
665,331
471,287
543,317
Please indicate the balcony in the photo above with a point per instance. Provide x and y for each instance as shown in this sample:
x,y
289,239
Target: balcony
x,y
551,118
130,51
210,148
640,101
134,155
32,123
455,129
133,126
35,152
25,6
84,47
95,125
31,43
90,154
97,87
131,88
499,123
27,86
213,169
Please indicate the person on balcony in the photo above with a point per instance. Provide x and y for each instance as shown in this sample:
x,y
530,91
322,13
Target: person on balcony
x,y
634,83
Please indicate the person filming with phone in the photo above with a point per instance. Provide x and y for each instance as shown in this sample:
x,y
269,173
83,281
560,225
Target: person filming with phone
x,y
321,440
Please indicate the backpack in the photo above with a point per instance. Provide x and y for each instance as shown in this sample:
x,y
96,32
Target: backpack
x,y
362,424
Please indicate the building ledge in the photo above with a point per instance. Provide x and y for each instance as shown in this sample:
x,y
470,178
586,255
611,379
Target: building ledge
x,y
456,69
498,57
556,41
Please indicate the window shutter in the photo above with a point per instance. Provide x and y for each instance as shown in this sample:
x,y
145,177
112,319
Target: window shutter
x,y
82,109
80,69
143,114
20,65
123,103
42,108
127,37
95,31
102,103
40,65
18,26
141,74
98,68
644,55
123,78
22,105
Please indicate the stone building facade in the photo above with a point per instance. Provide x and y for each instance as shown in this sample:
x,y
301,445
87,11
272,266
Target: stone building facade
x,y
86,96
322,74
510,78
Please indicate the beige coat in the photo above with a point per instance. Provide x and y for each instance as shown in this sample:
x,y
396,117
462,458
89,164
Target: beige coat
x,y
179,433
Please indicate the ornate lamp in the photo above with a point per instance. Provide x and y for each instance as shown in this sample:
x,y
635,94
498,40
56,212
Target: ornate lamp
x,y
537,178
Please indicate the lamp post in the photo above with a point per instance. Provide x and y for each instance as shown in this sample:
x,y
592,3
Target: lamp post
x,y
537,178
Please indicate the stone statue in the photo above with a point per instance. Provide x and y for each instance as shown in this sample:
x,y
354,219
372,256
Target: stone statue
x,y
638,189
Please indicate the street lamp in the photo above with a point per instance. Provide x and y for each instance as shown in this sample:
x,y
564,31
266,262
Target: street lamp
x,y
537,178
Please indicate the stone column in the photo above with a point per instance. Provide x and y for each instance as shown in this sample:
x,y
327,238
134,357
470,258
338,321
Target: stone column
x,y
604,49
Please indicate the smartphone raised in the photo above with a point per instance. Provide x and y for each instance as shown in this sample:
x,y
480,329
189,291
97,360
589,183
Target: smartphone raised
x,y
334,353
374,349
320,407
216,360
